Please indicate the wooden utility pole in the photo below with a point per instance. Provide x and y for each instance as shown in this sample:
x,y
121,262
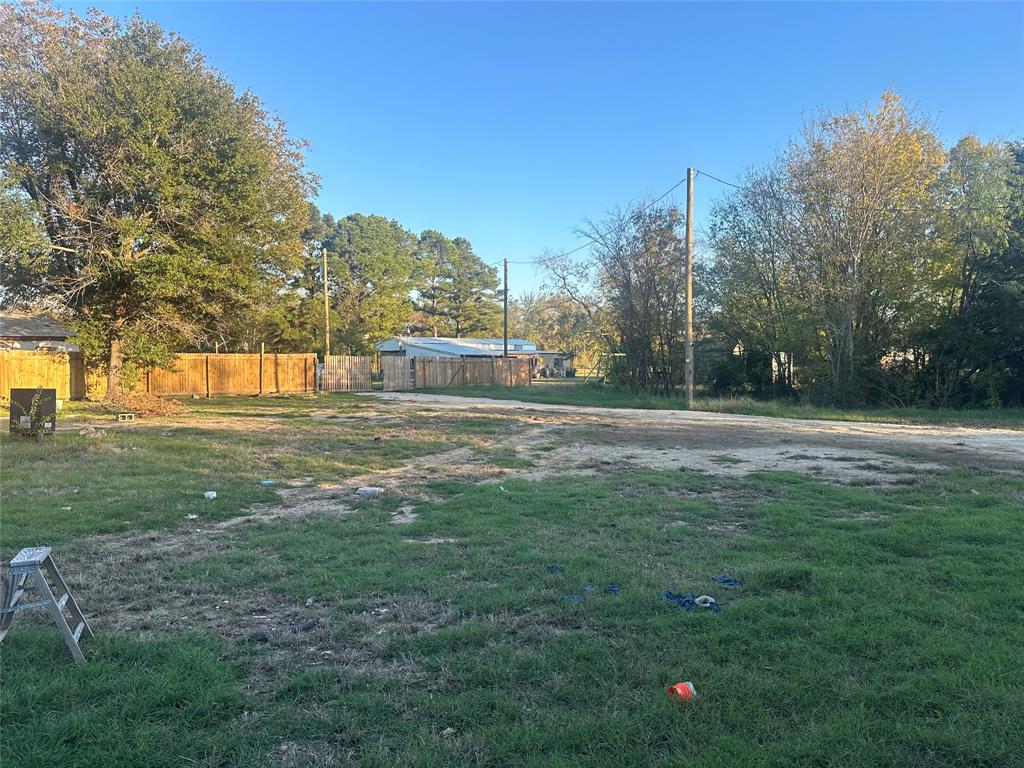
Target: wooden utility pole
x,y
689,287
505,295
327,311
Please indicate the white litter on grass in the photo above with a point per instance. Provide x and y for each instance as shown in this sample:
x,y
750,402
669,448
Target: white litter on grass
x,y
369,490
191,517
210,495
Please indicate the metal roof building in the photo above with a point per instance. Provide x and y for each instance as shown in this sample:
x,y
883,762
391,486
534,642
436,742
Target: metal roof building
x,y
434,346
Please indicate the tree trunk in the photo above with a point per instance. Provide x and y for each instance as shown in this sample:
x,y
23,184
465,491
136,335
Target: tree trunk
x,y
114,369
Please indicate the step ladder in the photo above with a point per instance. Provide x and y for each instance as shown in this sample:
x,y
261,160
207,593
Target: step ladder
x,y
31,571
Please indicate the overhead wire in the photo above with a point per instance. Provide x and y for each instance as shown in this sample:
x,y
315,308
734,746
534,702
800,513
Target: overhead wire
x,y
947,209
593,240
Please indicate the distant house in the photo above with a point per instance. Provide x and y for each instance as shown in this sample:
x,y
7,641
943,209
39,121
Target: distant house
x,y
544,363
34,332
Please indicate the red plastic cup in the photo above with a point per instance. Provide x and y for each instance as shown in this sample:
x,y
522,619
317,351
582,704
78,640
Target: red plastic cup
x,y
681,692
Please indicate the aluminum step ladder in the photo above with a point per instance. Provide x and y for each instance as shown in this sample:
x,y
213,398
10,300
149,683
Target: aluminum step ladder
x,y
33,570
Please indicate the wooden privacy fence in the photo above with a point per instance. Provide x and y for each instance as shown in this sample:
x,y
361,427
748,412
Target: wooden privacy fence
x,y
36,368
189,374
452,372
346,373
232,374
396,372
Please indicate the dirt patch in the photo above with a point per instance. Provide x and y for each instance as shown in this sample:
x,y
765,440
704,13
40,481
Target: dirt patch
x,y
404,615
290,754
431,541
404,515
132,583
294,502
851,466
999,449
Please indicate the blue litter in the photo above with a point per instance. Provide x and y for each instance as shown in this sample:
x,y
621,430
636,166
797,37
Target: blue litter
x,y
727,581
689,602
574,598
268,482
683,601
613,589
587,588
554,569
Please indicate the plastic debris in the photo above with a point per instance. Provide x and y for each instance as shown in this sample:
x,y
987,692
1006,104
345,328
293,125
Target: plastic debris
x,y
681,692
370,490
210,495
268,482
689,602
612,589
554,569
191,517
727,581
707,601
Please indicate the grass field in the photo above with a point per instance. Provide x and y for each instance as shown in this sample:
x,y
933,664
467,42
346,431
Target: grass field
x,y
579,393
876,625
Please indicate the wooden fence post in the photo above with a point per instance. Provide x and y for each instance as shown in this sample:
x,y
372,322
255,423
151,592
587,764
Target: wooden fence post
x,y
207,376
263,349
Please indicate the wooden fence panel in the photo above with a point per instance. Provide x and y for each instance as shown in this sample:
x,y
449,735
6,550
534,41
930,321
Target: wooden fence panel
x,y
395,372
291,373
35,368
346,373
189,374
454,372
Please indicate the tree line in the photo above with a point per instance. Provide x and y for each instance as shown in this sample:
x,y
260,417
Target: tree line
x,y
156,209
866,264
382,280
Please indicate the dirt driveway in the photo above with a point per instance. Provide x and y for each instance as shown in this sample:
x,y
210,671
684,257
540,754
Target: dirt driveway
x,y
858,452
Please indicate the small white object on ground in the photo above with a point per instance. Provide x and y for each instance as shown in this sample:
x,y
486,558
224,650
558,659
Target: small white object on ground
x,y
191,517
370,490
210,494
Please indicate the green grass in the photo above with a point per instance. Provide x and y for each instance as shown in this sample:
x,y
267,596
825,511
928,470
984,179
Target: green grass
x,y
606,396
146,476
874,628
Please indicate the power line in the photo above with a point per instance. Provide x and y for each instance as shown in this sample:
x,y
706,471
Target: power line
x,y
720,181
594,240
948,209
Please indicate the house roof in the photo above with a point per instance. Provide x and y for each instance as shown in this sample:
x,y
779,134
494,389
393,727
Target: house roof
x,y
31,327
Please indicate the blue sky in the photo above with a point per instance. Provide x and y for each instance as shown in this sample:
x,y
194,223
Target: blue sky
x,y
508,123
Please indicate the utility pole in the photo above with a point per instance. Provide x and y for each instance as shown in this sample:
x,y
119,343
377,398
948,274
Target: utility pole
x,y
689,287
505,295
327,311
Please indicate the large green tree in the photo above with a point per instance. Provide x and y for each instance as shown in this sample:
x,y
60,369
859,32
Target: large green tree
x,y
885,268
168,201
977,274
371,278
457,293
